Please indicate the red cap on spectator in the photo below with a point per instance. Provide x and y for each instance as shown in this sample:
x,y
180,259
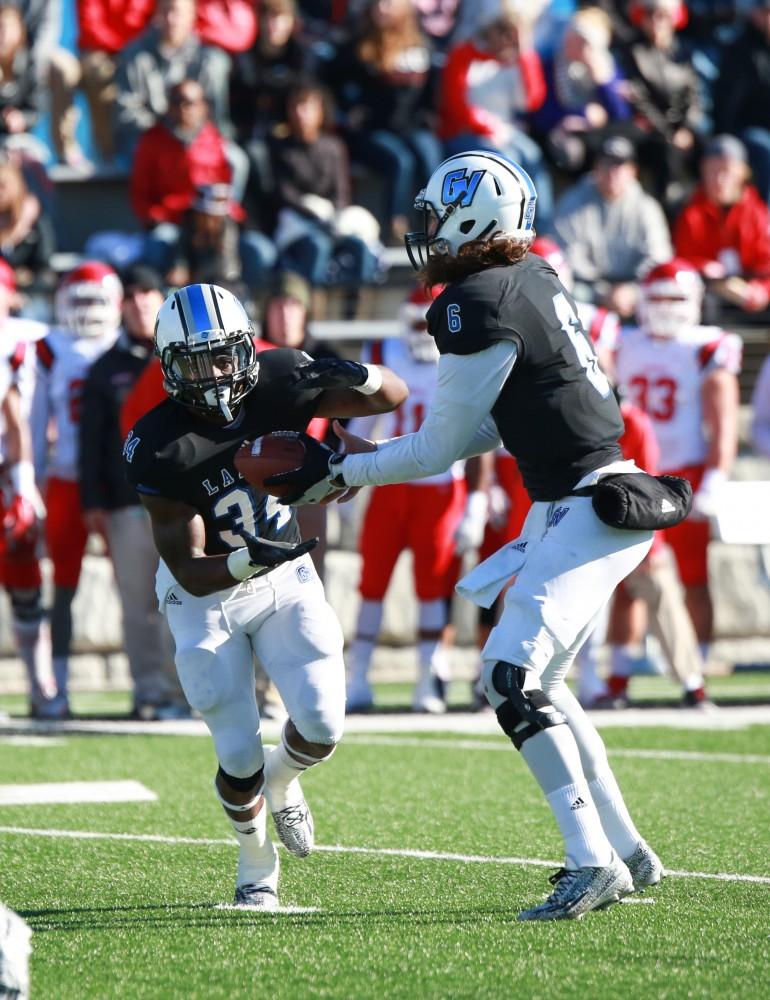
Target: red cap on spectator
x,y
7,275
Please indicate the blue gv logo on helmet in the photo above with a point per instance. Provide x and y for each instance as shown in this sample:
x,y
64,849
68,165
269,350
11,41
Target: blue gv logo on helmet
x,y
459,186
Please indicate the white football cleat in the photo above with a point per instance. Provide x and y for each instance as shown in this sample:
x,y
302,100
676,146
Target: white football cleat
x,y
256,883
294,822
255,897
359,696
645,866
581,890
428,695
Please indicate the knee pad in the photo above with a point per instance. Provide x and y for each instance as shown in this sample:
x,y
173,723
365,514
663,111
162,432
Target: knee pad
x,y
202,683
26,604
524,713
321,727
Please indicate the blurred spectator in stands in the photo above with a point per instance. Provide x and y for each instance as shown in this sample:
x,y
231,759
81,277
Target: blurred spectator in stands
x,y
724,230
611,230
26,232
43,25
586,92
742,91
105,27
760,406
175,158
263,74
439,20
207,249
319,234
111,507
281,58
230,24
20,91
211,246
380,79
167,53
665,94
488,84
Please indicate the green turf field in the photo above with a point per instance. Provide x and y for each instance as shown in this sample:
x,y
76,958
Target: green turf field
x,y
115,917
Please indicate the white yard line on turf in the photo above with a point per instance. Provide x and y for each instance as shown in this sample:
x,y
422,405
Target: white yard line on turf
x,y
388,852
464,723
428,744
45,793
32,741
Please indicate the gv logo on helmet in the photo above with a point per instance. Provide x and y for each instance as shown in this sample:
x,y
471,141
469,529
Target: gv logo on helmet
x,y
459,187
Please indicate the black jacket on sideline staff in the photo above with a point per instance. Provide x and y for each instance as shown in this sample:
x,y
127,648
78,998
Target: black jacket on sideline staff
x,y
103,482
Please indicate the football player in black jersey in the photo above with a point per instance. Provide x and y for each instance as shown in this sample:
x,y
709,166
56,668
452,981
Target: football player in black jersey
x,y
517,368
234,578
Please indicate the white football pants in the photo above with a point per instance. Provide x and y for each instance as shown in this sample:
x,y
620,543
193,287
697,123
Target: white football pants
x,y
284,619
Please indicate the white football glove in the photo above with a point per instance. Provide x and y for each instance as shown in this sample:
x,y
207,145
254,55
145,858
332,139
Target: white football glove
x,y
469,533
705,503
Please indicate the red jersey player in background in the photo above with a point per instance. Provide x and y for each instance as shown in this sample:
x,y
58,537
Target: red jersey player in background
x,y
88,313
684,376
650,597
422,516
21,508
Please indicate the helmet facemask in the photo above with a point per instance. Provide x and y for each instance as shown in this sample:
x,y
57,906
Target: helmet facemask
x,y
212,377
425,243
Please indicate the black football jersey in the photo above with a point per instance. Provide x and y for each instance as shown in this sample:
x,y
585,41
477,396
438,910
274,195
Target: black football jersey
x,y
556,414
173,452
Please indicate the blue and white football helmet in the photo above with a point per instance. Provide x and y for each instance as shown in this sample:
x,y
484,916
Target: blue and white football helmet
x,y
478,195
205,343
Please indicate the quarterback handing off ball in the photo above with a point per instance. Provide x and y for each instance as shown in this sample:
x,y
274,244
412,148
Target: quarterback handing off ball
x,y
269,455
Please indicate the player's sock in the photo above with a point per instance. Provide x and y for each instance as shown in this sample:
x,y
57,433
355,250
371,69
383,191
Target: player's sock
x,y
257,861
613,813
284,766
694,682
622,660
61,672
361,652
33,641
553,758
705,649
367,630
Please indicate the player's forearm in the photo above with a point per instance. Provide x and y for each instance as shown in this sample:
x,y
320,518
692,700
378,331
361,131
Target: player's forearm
x,y
201,575
720,413
390,393
457,424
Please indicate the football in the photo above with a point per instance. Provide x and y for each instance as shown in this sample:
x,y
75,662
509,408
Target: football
x,y
268,455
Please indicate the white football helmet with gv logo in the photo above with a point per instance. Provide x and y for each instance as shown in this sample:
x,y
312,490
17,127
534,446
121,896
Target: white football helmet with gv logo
x,y
204,339
477,195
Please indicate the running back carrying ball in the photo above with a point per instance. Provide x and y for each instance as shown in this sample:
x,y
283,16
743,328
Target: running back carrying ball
x,y
280,451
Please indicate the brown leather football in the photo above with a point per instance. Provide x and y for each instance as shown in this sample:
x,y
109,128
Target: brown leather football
x,y
281,451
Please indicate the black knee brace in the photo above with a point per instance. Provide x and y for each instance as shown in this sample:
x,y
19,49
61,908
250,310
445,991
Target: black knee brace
x,y
525,713
26,604
242,784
